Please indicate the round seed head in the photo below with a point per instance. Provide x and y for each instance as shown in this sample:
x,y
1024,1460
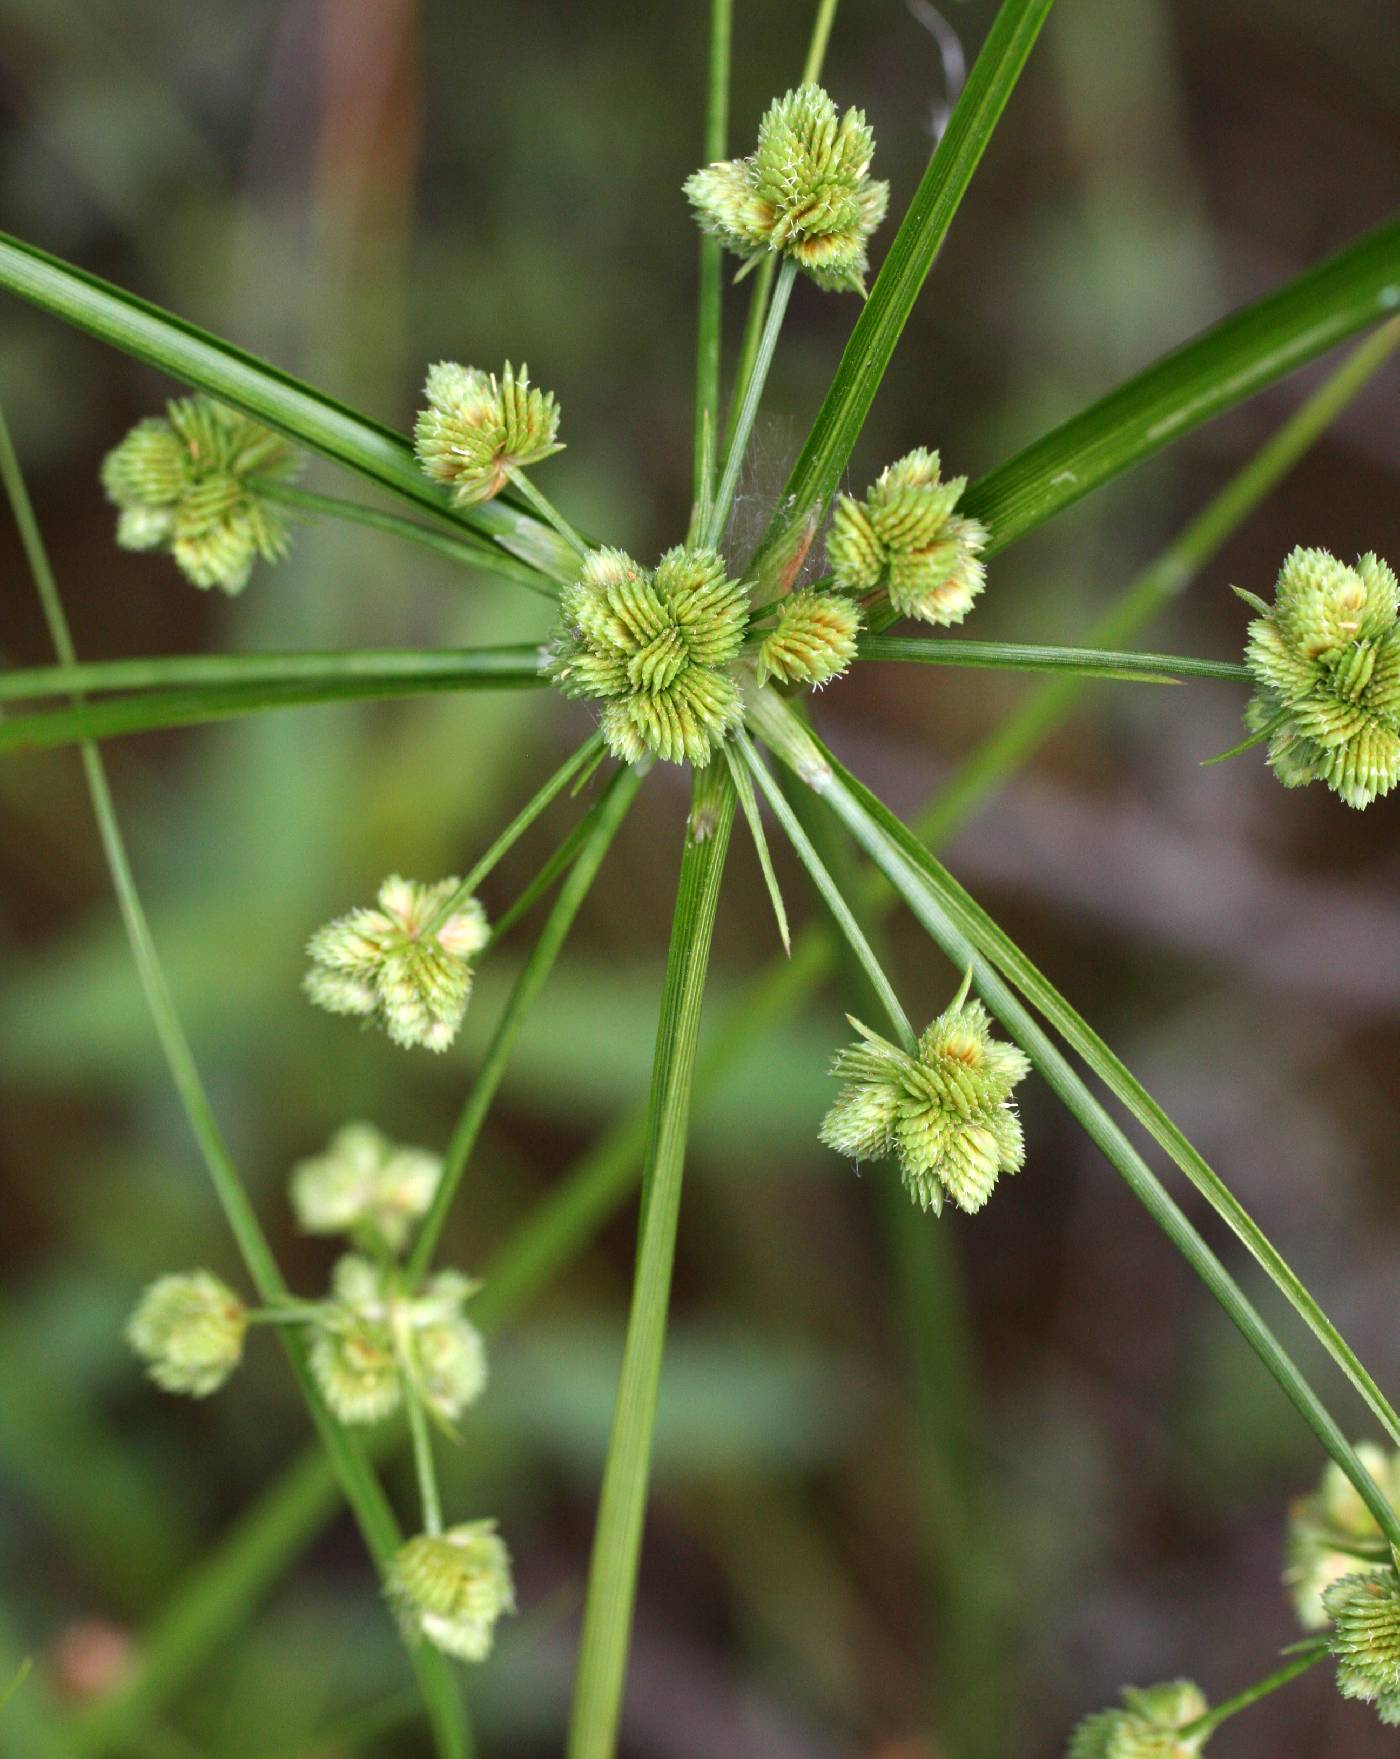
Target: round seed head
x,y
814,640
449,1360
1148,1727
352,1346
653,645
907,537
190,1329
451,1588
189,482
363,1185
477,427
1365,1614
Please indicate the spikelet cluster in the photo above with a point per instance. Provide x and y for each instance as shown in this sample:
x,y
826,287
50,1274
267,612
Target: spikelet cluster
x,y
813,641
945,1113
476,428
1326,659
1147,1727
805,191
906,538
389,963
190,1330
370,1334
451,1588
185,482
365,1186
1365,1639
1326,1528
653,646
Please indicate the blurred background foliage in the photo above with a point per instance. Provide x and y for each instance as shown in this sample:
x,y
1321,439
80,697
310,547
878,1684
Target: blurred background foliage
x,y
358,189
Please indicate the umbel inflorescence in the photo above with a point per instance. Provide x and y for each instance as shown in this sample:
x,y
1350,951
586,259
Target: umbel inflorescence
x,y
1326,659
379,1340
197,482
477,428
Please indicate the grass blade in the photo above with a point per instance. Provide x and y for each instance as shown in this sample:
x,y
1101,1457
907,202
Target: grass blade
x,y
1228,363
906,267
743,789
612,1576
994,944
145,713
304,414
1083,662
915,876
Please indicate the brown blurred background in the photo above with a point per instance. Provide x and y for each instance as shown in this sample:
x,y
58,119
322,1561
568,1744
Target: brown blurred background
x,y
357,190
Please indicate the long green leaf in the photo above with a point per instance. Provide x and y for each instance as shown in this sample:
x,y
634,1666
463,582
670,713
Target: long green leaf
x,y
515,664
994,944
362,1489
915,875
711,301
907,264
145,713
612,1576
1084,662
304,414
1236,359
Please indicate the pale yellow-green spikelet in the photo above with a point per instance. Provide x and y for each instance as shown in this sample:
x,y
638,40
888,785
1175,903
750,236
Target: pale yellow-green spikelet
x,y
1365,1638
1326,662
906,537
451,1588
1326,1527
477,427
391,965
805,191
352,1354
364,1186
945,1113
190,482
813,641
653,646
1148,1726
190,1330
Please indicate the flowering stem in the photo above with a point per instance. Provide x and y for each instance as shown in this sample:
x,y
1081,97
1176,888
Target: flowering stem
x,y
1194,1734
459,546
752,396
707,352
606,816
612,1577
547,510
516,829
423,1464
362,1489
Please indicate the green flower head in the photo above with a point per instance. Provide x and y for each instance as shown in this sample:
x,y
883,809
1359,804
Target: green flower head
x,y
392,964
1326,662
813,641
1147,1727
450,1588
906,538
477,428
190,1329
805,192
945,1113
364,1186
1326,1529
1365,1614
653,646
187,483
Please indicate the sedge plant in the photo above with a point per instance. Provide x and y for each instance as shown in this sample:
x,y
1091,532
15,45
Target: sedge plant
x,y
708,657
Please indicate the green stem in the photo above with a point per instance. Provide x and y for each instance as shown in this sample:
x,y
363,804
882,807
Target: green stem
x,y
512,665
547,510
1194,1734
424,1469
752,396
607,816
362,1490
461,547
711,302
516,829
821,36
1083,662
612,1577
